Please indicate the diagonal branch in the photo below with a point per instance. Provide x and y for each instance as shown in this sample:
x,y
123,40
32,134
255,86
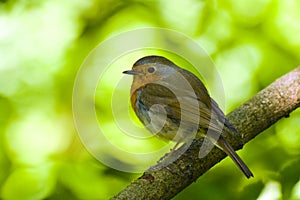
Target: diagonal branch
x,y
271,104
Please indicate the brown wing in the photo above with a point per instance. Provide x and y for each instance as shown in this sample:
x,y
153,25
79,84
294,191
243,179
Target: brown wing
x,y
183,109
203,96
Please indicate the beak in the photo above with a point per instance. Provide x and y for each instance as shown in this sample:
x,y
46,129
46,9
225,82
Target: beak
x,y
131,72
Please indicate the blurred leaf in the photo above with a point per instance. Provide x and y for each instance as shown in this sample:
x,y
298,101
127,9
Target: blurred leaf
x,y
29,183
251,191
290,175
6,115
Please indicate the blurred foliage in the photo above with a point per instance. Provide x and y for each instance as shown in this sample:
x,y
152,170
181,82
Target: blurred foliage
x,y
42,45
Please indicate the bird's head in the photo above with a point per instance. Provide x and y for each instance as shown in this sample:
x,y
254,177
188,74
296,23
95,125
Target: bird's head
x,y
150,69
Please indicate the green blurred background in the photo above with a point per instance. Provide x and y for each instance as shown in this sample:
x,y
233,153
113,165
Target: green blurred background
x,y
43,43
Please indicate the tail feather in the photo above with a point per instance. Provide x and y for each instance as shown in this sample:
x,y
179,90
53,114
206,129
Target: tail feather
x,y
233,155
230,126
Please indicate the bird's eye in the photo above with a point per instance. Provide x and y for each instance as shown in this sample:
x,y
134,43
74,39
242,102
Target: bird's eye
x,y
151,69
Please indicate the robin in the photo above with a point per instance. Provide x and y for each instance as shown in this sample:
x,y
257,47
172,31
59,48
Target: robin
x,y
174,105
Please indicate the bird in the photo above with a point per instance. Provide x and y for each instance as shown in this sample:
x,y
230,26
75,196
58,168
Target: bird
x,y
167,98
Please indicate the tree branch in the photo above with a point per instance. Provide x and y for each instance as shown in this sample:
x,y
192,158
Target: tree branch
x,y
271,104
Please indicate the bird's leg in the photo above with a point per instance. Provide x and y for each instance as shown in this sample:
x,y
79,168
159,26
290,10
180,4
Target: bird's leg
x,y
170,157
